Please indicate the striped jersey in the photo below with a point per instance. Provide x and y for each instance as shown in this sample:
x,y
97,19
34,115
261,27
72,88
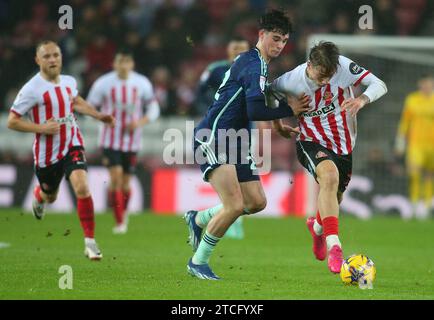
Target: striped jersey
x,y
42,100
242,84
326,123
126,101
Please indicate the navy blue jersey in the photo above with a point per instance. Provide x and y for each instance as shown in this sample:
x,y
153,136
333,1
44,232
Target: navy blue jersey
x,y
210,81
240,97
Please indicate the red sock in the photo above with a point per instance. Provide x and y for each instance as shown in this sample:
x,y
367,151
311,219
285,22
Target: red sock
x,y
110,196
127,196
86,215
331,226
118,206
37,194
318,218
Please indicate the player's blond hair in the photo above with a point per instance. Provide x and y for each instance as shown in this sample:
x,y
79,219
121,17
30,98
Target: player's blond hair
x,y
43,43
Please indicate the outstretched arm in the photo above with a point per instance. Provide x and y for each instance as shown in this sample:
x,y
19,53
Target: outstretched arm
x,y
81,106
258,111
298,105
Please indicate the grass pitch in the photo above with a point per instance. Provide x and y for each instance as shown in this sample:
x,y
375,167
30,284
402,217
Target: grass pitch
x,y
274,261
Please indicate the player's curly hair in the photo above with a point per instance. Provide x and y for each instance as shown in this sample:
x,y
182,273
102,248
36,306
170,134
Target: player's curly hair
x,y
326,55
277,21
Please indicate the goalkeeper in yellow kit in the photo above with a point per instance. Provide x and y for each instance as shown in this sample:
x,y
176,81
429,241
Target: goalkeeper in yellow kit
x,y
416,137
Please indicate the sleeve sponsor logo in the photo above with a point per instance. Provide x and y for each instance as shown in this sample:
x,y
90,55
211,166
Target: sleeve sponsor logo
x,y
355,69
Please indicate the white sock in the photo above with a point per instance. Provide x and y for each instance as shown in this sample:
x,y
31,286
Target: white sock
x,y
88,241
332,240
317,228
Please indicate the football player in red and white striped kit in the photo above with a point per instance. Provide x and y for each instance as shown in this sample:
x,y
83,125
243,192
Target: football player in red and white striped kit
x,y
129,97
328,133
49,99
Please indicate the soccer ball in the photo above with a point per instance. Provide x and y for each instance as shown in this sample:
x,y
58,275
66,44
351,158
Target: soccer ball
x,y
358,269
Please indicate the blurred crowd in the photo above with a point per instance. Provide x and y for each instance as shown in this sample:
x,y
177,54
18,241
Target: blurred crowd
x,y
174,40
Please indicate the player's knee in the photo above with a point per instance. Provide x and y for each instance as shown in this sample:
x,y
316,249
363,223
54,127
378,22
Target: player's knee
x,y
235,209
329,179
257,205
125,187
126,190
261,205
116,184
238,209
82,191
116,180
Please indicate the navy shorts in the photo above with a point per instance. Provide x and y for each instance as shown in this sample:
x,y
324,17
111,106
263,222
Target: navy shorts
x,y
128,160
50,177
310,154
246,168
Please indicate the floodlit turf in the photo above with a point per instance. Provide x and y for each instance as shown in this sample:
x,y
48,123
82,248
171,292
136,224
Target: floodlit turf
x,y
274,261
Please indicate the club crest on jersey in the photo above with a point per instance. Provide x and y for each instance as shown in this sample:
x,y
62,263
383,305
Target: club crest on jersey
x,y
262,81
355,69
320,154
327,96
